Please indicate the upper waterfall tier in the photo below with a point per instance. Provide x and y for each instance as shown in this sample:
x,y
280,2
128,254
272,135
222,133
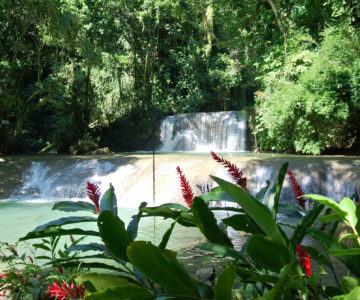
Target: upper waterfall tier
x,y
202,132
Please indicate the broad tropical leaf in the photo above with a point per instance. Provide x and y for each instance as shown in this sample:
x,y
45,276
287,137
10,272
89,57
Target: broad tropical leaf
x,y
64,221
108,201
52,231
257,211
224,284
207,223
268,252
72,206
162,268
274,197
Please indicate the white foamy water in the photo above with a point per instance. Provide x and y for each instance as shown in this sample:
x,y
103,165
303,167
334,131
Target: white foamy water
x,y
202,132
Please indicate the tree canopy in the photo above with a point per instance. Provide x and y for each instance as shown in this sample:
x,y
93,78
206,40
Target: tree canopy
x,y
79,74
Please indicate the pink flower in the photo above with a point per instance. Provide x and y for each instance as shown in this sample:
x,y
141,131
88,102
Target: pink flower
x,y
298,192
305,259
66,292
234,171
187,192
94,194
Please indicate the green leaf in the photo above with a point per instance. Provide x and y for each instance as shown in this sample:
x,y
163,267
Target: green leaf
x,y
282,285
357,227
43,257
216,194
108,201
221,250
274,197
207,223
62,260
112,231
224,284
41,246
245,274
331,244
176,206
348,236
90,265
166,237
260,196
74,206
164,211
341,252
52,231
305,224
87,247
349,207
101,282
289,210
162,268
268,252
256,210
121,293
354,294
348,283
318,256
240,222
64,221
134,223
264,278
327,202
332,217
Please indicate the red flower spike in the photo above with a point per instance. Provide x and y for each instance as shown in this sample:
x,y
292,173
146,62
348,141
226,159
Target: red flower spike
x,y
305,259
298,192
72,238
61,270
187,192
12,249
93,192
21,278
66,292
234,171
31,259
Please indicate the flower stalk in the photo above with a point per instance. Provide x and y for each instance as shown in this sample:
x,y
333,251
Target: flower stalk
x,y
298,192
94,193
236,174
186,189
305,259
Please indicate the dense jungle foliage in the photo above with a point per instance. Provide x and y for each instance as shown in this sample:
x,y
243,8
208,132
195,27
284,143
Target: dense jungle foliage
x,y
83,74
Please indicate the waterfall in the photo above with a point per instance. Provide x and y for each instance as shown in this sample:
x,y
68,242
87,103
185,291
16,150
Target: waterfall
x,y
131,175
202,132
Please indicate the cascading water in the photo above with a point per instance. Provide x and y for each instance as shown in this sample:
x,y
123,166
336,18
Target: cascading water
x,y
202,132
54,178
133,181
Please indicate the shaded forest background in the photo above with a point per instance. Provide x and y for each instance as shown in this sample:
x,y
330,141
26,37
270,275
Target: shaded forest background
x,y
76,75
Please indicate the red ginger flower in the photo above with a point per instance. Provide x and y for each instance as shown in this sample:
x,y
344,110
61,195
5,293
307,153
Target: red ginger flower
x,y
234,171
66,292
305,259
187,192
93,192
298,192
